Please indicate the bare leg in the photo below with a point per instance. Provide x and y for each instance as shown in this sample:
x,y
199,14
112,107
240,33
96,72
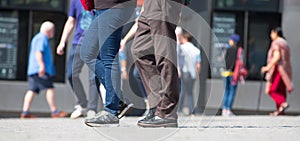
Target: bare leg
x,y
27,100
51,99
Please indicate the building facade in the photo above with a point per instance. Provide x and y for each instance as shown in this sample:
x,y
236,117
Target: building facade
x,y
252,19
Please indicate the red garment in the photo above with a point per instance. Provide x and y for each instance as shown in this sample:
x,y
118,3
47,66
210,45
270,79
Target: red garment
x,y
240,72
284,65
278,89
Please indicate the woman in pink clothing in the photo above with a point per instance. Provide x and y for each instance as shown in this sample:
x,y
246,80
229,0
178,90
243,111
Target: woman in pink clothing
x,y
279,71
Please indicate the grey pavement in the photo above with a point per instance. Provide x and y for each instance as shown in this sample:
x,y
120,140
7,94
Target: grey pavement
x,y
198,128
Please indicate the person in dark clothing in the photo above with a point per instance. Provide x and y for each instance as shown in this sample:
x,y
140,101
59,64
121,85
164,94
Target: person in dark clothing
x,y
230,88
154,51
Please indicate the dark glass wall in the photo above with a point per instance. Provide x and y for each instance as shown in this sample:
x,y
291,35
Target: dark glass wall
x,y
20,20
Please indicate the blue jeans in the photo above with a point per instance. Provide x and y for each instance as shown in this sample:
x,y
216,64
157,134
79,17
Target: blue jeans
x,y
229,93
102,43
140,82
74,67
187,90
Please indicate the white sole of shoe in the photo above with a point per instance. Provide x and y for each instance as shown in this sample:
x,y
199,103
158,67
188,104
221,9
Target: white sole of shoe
x,y
101,125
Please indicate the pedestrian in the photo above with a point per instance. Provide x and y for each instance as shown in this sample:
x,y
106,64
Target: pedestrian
x,y
41,71
279,71
155,55
190,66
232,55
123,57
99,51
80,20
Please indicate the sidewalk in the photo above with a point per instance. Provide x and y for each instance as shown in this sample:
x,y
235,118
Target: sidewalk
x,y
208,128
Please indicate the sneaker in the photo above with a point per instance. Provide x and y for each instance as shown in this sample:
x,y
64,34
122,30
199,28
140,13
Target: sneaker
x,y
101,119
59,114
124,109
150,114
158,122
78,112
27,116
90,114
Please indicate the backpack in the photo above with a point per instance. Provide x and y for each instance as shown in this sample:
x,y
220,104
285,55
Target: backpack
x,y
88,5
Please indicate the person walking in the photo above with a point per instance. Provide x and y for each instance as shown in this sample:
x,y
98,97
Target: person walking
x,y
99,51
233,53
80,20
41,71
279,71
190,66
155,55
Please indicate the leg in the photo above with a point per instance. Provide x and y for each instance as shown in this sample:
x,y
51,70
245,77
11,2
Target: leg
x,y
226,93
163,17
191,96
139,81
27,100
145,61
231,95
182,94
50,95
93,93
74,67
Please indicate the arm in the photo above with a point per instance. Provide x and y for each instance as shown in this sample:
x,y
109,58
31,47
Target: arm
x,y
198,69
39,57
66,33
275,59
123,69
129,35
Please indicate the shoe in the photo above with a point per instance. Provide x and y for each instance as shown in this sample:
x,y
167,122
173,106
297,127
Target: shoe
x,y
78,112
59,114
103,118
158,122
90,114
27,116
149,115
124,109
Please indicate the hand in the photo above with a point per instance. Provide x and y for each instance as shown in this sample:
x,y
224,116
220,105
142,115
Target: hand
x,y
264,69
60,49
124,75
290,90
179,74
122,45
42,71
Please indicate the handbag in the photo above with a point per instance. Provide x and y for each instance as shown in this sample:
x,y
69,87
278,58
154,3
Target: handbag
x,y
88,5
240,71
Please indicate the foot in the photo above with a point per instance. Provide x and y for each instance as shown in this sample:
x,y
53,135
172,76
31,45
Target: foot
x,y
275,113
78,112
27,116
158,122
124,109
90,114
103,118
59,114
149,115
283,107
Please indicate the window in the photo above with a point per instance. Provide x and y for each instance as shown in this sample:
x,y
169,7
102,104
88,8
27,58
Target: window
x,y
9,23
53,5
259,41
248,5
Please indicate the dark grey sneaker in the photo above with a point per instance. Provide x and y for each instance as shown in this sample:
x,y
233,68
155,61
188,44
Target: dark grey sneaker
x,y
156,122
103,119
149,115
124,109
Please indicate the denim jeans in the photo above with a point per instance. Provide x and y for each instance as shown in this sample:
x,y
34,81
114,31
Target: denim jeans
x,y
229,93
187,90
139,82
74,67
101,46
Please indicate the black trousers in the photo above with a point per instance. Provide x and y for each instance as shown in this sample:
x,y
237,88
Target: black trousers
x,y
155,54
